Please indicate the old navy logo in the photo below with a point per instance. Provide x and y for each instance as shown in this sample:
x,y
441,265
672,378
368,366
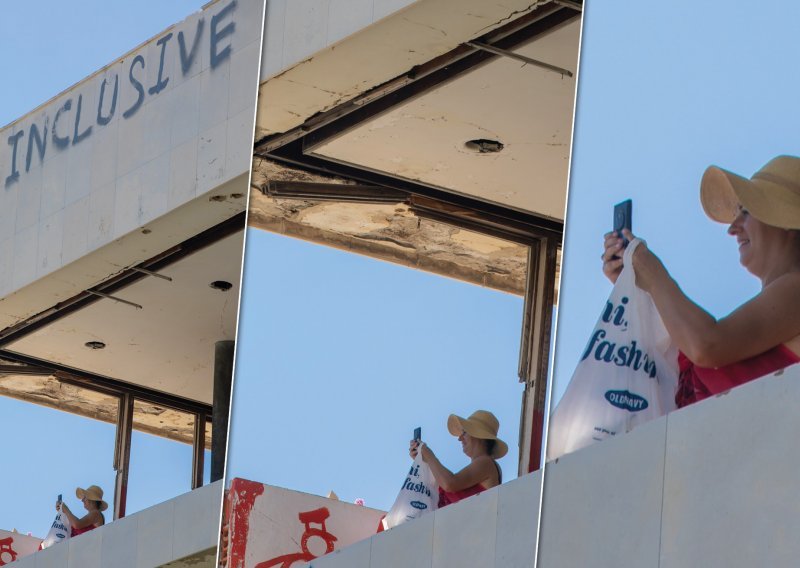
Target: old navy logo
x,y
419,505
72,122
626,400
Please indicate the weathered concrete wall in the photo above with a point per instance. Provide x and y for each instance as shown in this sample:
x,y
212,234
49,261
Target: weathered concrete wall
x,y
713,484
186,526
295,29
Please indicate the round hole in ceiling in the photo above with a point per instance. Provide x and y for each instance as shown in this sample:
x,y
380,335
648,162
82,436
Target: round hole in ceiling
x,y
221,285
484,145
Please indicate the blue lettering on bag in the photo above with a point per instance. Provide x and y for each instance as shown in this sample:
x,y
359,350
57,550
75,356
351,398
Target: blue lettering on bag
x,y
419,505
626,400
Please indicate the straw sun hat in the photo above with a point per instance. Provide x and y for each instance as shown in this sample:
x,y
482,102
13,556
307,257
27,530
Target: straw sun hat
x,y
481,424
92,493
772,195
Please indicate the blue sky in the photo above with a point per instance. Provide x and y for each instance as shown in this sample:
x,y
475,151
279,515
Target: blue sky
x,y
666,89
46,47
340,356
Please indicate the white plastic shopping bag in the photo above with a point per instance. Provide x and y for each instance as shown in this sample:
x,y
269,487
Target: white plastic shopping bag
x,y
59,531
419,494
627,375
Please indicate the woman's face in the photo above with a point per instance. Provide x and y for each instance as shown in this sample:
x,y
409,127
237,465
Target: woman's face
x,y
88,504
757,241
473,447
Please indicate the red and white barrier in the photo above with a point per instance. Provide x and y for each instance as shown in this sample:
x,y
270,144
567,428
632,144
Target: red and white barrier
x,y
14,546
270,527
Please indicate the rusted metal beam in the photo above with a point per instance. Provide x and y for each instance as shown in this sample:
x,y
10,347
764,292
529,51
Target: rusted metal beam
x,y
122,454
198,450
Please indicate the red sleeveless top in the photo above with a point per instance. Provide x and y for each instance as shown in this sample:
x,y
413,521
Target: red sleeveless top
x,y
449,497
696,383
76,532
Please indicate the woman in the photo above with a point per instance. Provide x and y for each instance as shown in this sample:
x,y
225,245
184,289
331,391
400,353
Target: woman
x,y
479,441
763,334
92,498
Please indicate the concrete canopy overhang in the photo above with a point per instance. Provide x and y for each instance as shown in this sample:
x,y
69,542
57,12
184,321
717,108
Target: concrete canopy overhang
x,y
165,346
119,180
424,138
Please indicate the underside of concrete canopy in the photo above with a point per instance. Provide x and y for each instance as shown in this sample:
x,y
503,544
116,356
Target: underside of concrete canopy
x,y
436,136
122,217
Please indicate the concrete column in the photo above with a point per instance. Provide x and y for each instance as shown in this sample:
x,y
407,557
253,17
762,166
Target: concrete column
x,y
223,377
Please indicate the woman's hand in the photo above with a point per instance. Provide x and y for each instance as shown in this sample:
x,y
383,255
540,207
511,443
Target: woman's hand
x,y
417,446
612,256
647,266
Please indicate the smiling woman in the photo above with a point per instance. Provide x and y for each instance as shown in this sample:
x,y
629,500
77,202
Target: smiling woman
x,y
760,337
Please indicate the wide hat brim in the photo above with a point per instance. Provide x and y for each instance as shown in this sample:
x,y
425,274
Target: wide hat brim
x,y
93,493
477,429
772,195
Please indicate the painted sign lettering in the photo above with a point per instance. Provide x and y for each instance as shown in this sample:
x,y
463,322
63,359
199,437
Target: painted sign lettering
x,y
72,122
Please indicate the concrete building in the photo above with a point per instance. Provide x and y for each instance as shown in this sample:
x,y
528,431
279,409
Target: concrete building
x,y
121,226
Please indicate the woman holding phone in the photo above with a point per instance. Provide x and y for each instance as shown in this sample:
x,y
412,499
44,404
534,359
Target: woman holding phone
x,y
92,498
762,335
479,441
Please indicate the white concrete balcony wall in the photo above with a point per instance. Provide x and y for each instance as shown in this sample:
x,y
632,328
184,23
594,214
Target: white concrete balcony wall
x,y
495,528
296,29
713,484
179,528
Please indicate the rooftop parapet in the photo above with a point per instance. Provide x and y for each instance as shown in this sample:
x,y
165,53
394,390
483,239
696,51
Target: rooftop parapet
x,y
183,531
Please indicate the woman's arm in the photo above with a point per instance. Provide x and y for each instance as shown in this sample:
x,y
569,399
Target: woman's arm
x,y
769,319
90,519
478,470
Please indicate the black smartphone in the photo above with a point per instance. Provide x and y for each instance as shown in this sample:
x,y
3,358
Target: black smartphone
x,y
623,213
418,433
59,498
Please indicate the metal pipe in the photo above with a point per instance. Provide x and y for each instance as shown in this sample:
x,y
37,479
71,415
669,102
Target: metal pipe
x,y
524,59
569,4
150,273
110,297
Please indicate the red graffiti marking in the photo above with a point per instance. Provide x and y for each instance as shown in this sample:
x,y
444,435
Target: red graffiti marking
x,y
317,516
241,498
6,551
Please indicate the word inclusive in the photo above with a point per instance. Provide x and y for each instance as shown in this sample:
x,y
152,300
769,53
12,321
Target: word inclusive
x,y
71,125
